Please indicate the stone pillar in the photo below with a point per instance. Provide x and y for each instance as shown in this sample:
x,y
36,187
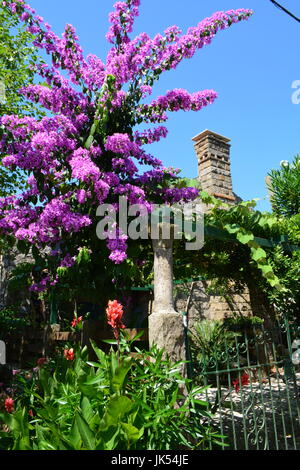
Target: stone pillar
x,y
214,173
163,276
165,324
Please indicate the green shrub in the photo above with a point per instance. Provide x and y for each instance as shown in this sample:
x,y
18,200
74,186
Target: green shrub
x,y
243,324
11,320
211,344
210,338
123,401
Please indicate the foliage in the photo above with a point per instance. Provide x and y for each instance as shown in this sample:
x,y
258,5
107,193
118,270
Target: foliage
x,y
210,338
286,264
217,350
284,186
88,150
131,401
242,324
21,277
244,223
233,257
12,320
17,57
236,243
291,226
287,301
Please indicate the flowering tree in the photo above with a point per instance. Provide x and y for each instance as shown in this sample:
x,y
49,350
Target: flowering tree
x,y
86,151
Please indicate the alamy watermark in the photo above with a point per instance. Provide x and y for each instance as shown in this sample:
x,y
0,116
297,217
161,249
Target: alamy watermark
x,y
296,352
2,93
296,93
2,353
179,221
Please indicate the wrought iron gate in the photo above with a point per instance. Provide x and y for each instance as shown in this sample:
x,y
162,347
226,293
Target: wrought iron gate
x,y
254,387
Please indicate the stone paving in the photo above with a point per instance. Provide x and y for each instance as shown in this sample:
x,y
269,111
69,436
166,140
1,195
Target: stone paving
x,y
262,415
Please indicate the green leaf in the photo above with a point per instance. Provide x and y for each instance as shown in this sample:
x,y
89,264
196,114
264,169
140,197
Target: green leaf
x,y
109,440
110,341
94,364
43,444
266,270
85,432
99,353
244,237
75,436
258,254
116,408
121,373
232,228
87,410
132,433
95,380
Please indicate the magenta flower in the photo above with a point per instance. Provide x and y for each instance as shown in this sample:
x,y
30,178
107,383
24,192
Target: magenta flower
x,y
81,153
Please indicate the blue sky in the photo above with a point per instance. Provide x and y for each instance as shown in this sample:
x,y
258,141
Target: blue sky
x,y
251,65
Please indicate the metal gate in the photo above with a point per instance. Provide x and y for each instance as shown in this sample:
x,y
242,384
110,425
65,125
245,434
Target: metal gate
x,y
253,388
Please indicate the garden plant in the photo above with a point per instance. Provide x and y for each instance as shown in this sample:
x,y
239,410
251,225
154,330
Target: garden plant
x,y
75,136
88,149
126,400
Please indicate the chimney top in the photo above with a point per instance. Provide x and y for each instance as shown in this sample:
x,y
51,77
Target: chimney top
x,y
207,132
213,154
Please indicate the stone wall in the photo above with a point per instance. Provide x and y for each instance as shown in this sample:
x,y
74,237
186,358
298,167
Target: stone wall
x,y
8,261
213,306
203,304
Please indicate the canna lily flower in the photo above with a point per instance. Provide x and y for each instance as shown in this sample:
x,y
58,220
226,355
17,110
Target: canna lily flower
x,y
69,354
41,361
76,321
9,405
114,314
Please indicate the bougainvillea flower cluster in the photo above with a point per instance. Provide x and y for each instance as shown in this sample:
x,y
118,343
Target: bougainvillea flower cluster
x,y
88,149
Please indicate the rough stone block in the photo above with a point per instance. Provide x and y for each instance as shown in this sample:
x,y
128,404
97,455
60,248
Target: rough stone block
x,y
167,332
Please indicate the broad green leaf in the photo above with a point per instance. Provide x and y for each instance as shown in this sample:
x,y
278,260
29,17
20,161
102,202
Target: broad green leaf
x,y
121,373
232,228
258,254
132,433
22,443
266,270
109,440
75,436
99,353
95,380
244,237
87,410
85,432
116,408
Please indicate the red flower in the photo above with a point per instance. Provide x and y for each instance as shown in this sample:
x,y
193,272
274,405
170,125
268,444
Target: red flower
x,y
76,321
69,354
244,380
114,313
30,412
9,405
41,361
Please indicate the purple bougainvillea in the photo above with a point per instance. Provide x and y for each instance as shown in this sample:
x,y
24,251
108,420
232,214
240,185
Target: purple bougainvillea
x,y
86,151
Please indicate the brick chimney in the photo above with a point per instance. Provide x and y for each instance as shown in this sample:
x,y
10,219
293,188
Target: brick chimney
x,y
214,174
